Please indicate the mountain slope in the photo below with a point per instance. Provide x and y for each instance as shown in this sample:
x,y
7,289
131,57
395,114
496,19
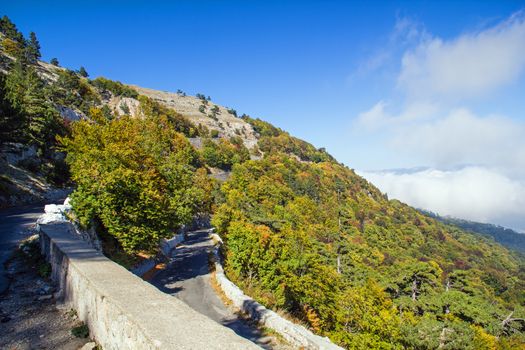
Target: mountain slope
x,y
504,236
303,233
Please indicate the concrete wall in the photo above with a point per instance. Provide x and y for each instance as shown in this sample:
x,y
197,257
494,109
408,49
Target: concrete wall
x,y
167,245
121,310
295,334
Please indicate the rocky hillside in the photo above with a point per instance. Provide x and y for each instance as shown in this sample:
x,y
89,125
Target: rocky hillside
x,y
205,112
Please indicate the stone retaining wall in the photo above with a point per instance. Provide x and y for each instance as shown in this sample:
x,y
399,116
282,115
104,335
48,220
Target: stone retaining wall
x,y
121,310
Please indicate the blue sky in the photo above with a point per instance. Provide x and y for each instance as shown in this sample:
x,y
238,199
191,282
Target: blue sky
x,y
381,85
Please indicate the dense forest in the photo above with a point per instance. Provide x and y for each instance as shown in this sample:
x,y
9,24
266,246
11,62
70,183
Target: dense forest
x,y
505,236
303,233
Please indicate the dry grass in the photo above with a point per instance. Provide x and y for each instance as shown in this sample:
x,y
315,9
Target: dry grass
x,y
152,272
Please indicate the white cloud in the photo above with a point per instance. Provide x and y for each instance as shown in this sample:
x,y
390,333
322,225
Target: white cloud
x,y
435,124
469,65
473,193
462,137
378,117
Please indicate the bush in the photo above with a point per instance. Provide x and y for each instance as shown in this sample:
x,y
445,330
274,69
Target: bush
x,y
232,111
124,108
80,331
224,154
214,133
44,270
116,87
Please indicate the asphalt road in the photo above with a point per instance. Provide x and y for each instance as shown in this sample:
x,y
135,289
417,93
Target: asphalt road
x,y
187,277
14,226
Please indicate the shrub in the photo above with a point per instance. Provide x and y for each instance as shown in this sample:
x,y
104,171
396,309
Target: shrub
x,y
232,111
124,108
116,87
224,154
80,331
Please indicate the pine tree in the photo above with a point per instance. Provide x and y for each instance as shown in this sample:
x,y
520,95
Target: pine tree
x,y
82,71
24,90
54,62
10,31
11,120
33,49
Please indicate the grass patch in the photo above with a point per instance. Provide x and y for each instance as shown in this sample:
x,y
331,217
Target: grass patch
x,y
29,250
44,269
80,331
72,313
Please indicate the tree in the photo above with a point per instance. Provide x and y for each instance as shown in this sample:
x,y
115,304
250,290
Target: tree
x,y
25,91
54,62
232,111
10,31
142,181
33,48
12,121
82,71
124,108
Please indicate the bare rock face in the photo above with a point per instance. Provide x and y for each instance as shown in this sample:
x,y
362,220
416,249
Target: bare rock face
x,y
70,114
125,105
18,184
207,113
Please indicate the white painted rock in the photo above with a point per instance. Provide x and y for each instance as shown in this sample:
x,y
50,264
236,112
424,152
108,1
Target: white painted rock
x,y
52,209
51,218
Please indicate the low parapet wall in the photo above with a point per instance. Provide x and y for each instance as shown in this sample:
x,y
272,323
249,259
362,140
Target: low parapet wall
x,y
121,310
295,334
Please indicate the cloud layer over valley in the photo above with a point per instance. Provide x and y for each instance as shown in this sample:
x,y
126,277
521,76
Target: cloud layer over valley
x,y
440,115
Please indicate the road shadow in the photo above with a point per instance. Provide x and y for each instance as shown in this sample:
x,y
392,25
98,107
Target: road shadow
x,y
189,260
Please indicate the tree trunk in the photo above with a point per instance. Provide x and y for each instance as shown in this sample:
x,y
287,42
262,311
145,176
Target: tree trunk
x,y
414,289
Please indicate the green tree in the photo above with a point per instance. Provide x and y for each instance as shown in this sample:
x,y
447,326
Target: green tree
x,y
10,30
12,121
142,183
25,91
83,73
33,48
54,62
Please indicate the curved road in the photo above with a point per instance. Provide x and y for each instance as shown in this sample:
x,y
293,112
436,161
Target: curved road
x,y
14,227
187,277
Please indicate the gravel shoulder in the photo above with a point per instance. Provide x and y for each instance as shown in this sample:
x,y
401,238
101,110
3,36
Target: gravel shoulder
x,y
29,315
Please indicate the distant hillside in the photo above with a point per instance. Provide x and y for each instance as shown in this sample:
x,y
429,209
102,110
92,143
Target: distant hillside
x,y
505,236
